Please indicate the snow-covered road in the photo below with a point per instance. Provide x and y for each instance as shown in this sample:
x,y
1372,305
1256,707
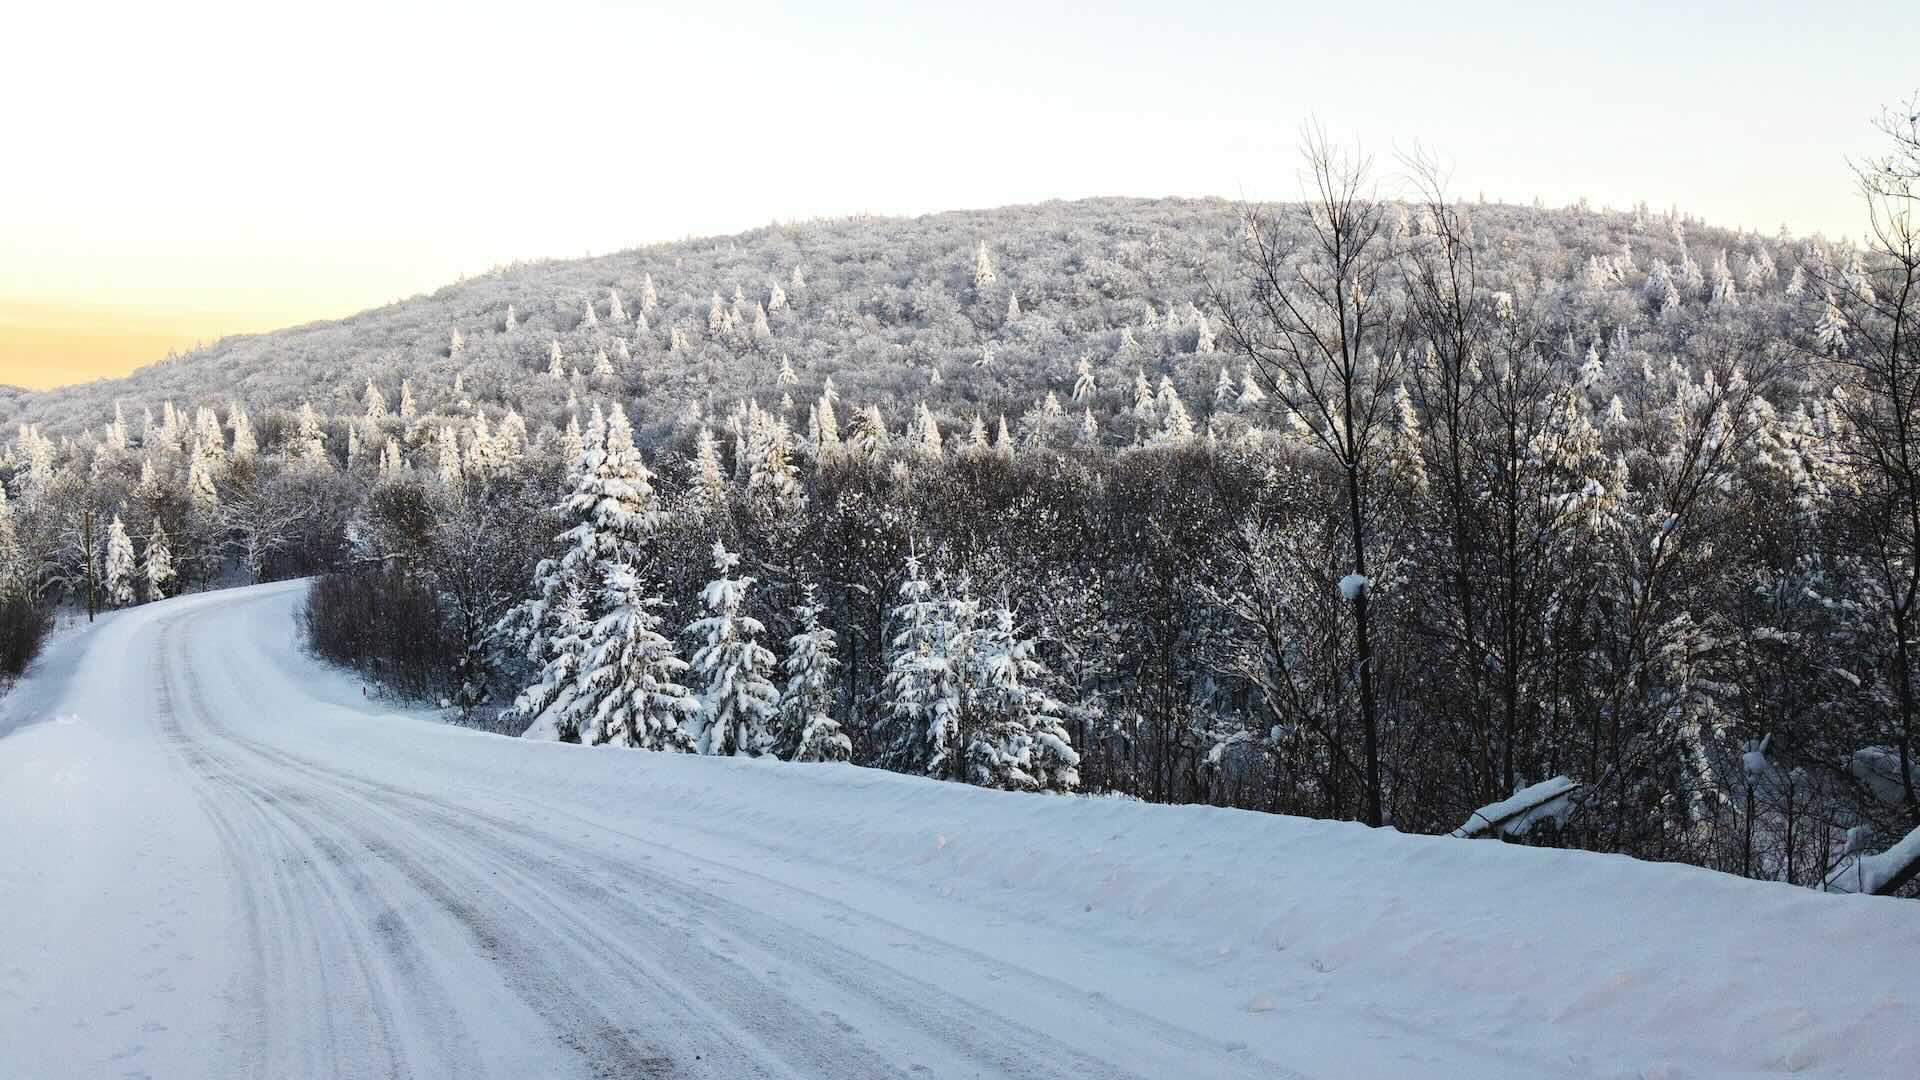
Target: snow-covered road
x,y
218,859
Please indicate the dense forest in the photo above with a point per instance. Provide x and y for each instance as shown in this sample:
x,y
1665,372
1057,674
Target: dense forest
x,y
1365,508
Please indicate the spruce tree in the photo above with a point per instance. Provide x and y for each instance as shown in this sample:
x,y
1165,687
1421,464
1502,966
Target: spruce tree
x,y
158,569
807,730
119,569
737,699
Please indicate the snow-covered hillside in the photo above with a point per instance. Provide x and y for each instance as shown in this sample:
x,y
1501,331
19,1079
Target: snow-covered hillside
x,y
219,859
973,311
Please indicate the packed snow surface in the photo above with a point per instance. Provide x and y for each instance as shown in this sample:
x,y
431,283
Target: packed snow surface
x,y
219,859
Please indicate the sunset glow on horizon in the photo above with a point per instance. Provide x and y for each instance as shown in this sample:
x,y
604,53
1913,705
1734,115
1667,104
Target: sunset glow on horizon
x,y
188,175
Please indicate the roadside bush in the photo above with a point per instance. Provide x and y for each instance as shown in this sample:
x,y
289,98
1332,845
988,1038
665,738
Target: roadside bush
x,y
23,630
385,625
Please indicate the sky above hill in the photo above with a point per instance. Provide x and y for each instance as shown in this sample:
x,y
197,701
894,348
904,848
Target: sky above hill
x,y
179,172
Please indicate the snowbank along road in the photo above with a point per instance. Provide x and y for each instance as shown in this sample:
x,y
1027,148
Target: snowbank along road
x,y
219,859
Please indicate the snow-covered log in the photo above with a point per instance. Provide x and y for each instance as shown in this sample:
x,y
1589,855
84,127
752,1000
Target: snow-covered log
x,y
1879,875
1518,813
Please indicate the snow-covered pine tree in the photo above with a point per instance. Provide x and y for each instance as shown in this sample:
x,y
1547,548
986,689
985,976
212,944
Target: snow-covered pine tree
x,y
376,402
1224,391
309,440
201,492
556,363
15,573
709,477
983,275
920,696
807,730
1013,733
158,567
246,446
1250,393
737,699
1083,387
616,311
119,569
628,692
1178,429
392,465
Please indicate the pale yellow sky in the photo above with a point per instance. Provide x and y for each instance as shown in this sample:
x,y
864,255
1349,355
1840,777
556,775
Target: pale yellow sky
x,y
177,172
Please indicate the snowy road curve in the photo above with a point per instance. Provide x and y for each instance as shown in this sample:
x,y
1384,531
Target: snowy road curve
x,y
219,859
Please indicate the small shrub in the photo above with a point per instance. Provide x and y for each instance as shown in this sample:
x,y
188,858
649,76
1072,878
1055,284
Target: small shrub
x,y
24,625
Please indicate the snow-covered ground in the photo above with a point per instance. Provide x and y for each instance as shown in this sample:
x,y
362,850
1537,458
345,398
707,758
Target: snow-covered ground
x,y
218,859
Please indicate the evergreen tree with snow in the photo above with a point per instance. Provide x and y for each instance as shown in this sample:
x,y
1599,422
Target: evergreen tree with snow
x,y
983,275
1089,429
1831,331
616,311
709,479
246,446
14,571
1224,392
737,701
807,730
376,404
1250,393
201,492
309,441
628,692
921,693
513,320
119,569
158,567
1083,387
1013,734
1178,429
392,466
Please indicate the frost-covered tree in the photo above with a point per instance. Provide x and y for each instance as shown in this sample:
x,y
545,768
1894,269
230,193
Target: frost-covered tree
x,y
983,275
309,446
807,730
921,693
119,571
246,446
1083,385
628,692
1014,735
158,566
737,699
376,402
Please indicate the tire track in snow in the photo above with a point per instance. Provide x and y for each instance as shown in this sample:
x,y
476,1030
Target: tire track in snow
x,y
333,826
539,865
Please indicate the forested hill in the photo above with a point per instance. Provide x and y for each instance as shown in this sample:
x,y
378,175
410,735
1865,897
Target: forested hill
x,y
972,311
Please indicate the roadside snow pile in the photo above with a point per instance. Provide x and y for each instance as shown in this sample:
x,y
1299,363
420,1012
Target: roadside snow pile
x,y
1517,814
